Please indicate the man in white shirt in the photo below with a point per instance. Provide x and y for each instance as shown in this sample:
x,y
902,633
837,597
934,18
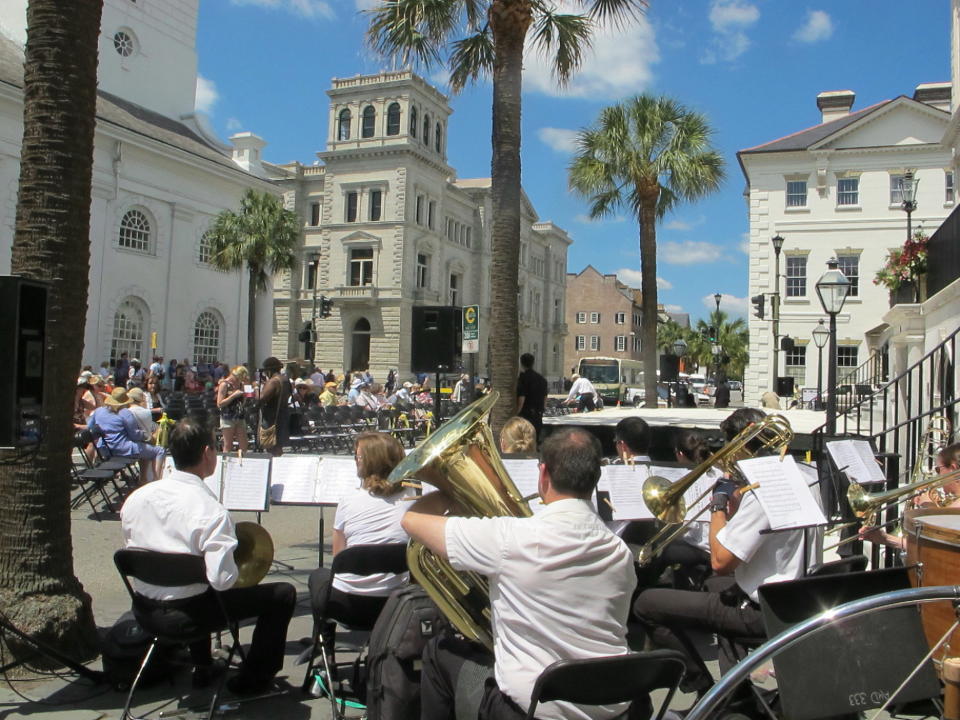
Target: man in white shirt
x,y
584,393
742,558
179,514
560,587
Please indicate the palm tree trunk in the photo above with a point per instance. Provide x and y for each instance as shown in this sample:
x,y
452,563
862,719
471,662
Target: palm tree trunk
x,y
509,20
39,592
648,286
252,320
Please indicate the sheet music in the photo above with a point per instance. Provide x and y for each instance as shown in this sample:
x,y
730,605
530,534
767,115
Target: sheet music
x,y
338,476
625,485
782,492
213,481
525,473
295,479
245,483
855,458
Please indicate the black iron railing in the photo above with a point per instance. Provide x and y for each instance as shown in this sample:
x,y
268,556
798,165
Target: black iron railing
x,y
943,253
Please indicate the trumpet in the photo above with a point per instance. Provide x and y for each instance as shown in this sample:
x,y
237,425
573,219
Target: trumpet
x,y
665,499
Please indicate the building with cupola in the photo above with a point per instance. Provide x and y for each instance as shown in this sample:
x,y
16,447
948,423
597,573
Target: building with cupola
x,y
388,227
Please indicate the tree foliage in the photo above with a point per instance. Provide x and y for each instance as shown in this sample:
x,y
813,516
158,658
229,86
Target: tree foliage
x,y
645,156
732,337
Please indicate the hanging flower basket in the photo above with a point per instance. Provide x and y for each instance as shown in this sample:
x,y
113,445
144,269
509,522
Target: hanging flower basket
x,y
906,266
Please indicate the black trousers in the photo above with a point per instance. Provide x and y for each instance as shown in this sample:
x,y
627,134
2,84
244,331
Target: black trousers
x,y
723,609
271,604
360,611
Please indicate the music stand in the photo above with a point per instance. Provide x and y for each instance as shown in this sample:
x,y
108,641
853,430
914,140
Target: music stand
x,y
850,667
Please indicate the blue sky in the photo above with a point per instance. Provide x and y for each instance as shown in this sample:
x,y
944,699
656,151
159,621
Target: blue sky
x,y
754,67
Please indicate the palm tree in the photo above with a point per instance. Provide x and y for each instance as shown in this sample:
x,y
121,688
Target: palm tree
x,y
732,337
261,237
479,37
645,155
39,592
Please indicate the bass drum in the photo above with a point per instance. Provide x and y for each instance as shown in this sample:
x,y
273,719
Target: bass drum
x,y
933,556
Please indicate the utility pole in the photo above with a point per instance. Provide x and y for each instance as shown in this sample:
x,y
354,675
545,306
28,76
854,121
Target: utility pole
x,y
775,309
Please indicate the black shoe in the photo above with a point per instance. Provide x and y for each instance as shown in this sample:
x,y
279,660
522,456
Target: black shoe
x,y
204,675
242,686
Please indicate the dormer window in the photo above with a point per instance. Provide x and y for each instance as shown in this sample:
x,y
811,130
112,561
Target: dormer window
x,y
343,125
413,121
393,119
369,122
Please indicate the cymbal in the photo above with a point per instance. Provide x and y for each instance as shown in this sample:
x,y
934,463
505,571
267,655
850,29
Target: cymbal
x,y
253,554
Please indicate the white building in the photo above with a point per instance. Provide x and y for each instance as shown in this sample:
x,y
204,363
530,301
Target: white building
x,y
159,178
832,190
387,227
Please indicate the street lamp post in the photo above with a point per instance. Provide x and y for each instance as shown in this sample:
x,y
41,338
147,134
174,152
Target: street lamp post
x,y
820,337
832,289
717,297
777,241
679,349
908,193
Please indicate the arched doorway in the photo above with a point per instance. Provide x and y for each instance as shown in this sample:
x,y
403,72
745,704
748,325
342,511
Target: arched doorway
x,y
360,347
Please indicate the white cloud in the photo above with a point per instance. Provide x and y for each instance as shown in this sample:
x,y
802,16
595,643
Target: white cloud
x,y
745,243
633,278
673,308
618,63
730,20
730,304
678,225
664,284
818,27
689,252
302,8
560,140
13,21
206,95
233,124
586,219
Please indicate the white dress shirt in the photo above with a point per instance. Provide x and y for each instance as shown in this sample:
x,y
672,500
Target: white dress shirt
x,y
582,386
560,587
179,514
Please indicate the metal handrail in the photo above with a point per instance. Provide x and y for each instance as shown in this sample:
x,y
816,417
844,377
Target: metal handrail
x,y
792,635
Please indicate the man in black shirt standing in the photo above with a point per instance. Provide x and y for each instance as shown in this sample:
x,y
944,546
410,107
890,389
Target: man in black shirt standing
x,y
531,393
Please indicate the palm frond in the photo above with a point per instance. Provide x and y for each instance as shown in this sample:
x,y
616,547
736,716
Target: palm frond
x,y
471,58
616,12
408,29
566,37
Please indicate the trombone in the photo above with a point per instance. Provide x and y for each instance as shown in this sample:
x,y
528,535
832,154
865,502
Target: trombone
x,y
665,499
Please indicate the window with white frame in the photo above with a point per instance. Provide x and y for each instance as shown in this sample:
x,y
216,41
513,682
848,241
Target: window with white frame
x,y
393,119
594,342
849,265
134,231
636,343
848,191
206,338
621,343
581,343
796,363
581,318
594,318
129,323
423,269
796,193
620,318
796,275
847,356
124,43
949,195
343,125
368,122
205,249
454,289
361,266
896,189
311,271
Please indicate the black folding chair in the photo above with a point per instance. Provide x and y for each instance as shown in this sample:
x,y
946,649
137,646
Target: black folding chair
x,y
169,570
356,560
610,680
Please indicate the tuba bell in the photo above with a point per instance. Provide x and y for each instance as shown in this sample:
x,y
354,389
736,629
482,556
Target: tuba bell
x,y
461,460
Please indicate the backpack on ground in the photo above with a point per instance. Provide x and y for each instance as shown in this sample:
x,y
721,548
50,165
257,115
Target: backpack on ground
x,y
124,647
408,620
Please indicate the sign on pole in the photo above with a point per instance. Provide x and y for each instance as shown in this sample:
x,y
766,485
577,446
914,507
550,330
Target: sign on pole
x,y
471,329
153,341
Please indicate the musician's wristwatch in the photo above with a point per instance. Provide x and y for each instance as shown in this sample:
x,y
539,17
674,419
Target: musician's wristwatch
x,y
718,502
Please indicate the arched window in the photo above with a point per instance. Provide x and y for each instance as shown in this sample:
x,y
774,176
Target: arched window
x,y
369,124
438,137
206,338
204,249
393,119
128,329
426,130
135,231
413,121
343,125
360,347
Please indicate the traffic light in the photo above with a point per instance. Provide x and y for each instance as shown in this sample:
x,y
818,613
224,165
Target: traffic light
x,y
758,302
326,306
306,333
713,334
787,344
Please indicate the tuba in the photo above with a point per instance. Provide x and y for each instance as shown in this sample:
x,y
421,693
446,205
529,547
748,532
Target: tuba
x,y
461,460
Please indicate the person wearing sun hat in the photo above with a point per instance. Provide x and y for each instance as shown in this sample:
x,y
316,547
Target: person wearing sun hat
x,y
328,397
118,431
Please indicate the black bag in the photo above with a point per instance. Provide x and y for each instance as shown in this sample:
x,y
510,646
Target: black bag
x,y
408,620
124,647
